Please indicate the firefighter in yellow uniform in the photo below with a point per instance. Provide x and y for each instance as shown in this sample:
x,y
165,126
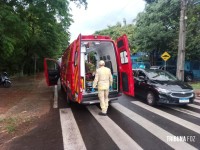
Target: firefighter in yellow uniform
x,y
103,80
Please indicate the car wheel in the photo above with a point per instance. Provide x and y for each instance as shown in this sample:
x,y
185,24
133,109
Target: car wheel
x,y
151,99
188,78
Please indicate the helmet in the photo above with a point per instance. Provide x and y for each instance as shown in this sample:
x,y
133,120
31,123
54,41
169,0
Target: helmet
x,y
5,74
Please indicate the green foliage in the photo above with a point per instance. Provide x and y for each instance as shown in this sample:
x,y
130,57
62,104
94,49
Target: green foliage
x,y
79,3
150,1
11,124
7,30
11,128
195,85
193,32
118,30
157,27
33,29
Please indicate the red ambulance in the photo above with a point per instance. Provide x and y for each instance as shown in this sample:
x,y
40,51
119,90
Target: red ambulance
x,y
79,61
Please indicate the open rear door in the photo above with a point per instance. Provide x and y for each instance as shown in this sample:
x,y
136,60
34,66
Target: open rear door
x,y
126,75
51,71
77,70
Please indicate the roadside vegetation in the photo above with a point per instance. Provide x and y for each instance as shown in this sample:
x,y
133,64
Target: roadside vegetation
x,y
9,125
155,30
195,85
31,30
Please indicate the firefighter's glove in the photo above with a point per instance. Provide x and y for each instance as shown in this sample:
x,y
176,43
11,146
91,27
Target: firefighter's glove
x,y
93,90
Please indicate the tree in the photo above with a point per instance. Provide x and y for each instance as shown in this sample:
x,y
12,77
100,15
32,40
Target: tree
x,y
150,1
8,32
118,30
193,32
157,27
33,28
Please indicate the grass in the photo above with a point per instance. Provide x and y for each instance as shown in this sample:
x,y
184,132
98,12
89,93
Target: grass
x,y
11,128
195,85
1,120
9,124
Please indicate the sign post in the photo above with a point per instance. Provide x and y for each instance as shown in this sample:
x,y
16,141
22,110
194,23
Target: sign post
x,y
165,56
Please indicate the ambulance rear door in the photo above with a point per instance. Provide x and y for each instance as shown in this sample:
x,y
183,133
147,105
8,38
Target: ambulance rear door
x,y
126,75
78,85
51,71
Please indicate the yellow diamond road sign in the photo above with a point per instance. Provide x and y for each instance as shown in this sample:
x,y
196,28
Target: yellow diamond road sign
x,y
165,56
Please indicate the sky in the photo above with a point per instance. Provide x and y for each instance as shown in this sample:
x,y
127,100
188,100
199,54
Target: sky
x,y
103,13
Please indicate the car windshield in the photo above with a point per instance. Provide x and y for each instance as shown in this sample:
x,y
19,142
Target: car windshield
x,y
160,75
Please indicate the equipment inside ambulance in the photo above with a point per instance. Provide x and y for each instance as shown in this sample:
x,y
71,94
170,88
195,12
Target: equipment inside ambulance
x,y
80,61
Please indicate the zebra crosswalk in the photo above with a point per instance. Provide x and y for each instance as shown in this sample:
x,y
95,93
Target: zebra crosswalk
x,y
186,111
122,140
72,138
181,122
153,128
194,106
187,136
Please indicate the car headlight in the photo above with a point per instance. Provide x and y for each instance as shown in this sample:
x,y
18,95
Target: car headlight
x,y
165,91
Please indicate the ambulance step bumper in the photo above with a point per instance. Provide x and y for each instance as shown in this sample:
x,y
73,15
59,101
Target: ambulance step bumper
x,y
93,98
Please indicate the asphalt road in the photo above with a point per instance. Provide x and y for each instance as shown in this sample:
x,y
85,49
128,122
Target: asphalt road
x,y
130,124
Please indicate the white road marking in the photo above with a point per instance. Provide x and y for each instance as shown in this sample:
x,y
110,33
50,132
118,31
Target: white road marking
x,y
173,118
122,140
72,139
153,128
197,100
55,102
186,111
194,106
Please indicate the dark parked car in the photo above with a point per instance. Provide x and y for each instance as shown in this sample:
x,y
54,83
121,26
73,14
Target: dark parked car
x,y
188,75
159,86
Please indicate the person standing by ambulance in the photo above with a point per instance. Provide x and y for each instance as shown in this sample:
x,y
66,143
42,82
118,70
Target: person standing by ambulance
x,y
103,80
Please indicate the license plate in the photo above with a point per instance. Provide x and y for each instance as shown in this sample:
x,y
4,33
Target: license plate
x,y
184,100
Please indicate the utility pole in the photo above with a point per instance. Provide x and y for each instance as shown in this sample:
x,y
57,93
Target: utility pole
x,y
181,44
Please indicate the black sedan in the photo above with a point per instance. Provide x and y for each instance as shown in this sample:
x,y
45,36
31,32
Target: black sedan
x,y
159,86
